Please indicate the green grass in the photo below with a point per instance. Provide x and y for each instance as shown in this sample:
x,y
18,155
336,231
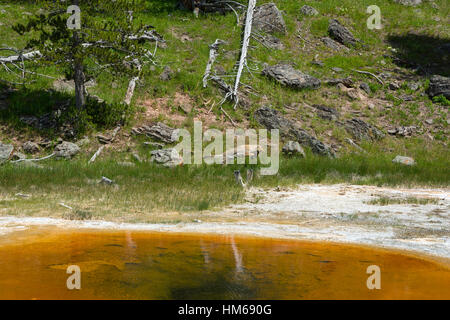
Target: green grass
x,y
148,193
144,191
385,201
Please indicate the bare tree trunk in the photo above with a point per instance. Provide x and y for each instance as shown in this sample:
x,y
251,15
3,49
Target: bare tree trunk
x,y
79,78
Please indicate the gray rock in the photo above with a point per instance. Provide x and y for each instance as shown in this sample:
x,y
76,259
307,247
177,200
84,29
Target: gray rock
x,y
348,82
403,131
18,156
406,97
167,157
411,3
269,19
167,74
290,77
30,147
326,113
293,148
159,131
394,85
66,150
361,130
309,11
5,152
404,160
330,43
272,42
272,119
414,86
365,87
337,69
106,180
439,85
340,33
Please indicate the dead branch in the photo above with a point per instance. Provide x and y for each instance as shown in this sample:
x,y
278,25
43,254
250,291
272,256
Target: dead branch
x,y
244,50
213,52
130,91
19,56
96,154
370,74
34,160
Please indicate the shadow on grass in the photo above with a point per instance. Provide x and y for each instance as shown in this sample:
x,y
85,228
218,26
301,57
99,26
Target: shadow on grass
x,y
50,112
430,55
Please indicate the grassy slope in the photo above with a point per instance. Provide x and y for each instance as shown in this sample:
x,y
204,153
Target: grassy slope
x,y
146,189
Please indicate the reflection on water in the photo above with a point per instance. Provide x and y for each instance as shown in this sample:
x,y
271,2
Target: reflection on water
x,y
140,265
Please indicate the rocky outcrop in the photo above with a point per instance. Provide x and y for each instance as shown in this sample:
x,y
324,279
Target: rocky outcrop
x,y
269,19
30,147
290,77
309,11
340,33
403,131
159,131
272,119
330,43
411,3
327,113
5,152
66,150
361,130
439,85
166,157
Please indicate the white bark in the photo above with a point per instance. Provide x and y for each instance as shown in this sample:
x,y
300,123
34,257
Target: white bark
x,y
245,44
130,91
213,52
17,58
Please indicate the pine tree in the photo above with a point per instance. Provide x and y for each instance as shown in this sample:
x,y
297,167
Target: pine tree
x,y
105,37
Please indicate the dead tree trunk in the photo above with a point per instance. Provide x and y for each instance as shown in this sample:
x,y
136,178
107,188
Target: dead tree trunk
x,y
79,78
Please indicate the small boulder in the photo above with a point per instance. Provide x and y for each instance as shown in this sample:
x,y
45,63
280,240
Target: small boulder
x,y
30,147
159,131
269,19
411,3
327,113
361,130
167,157
404,160
18,156
365,87
330,43
293,148
290,77
5,152
167,74
309,11
439,85
394,85
66,150
340,33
